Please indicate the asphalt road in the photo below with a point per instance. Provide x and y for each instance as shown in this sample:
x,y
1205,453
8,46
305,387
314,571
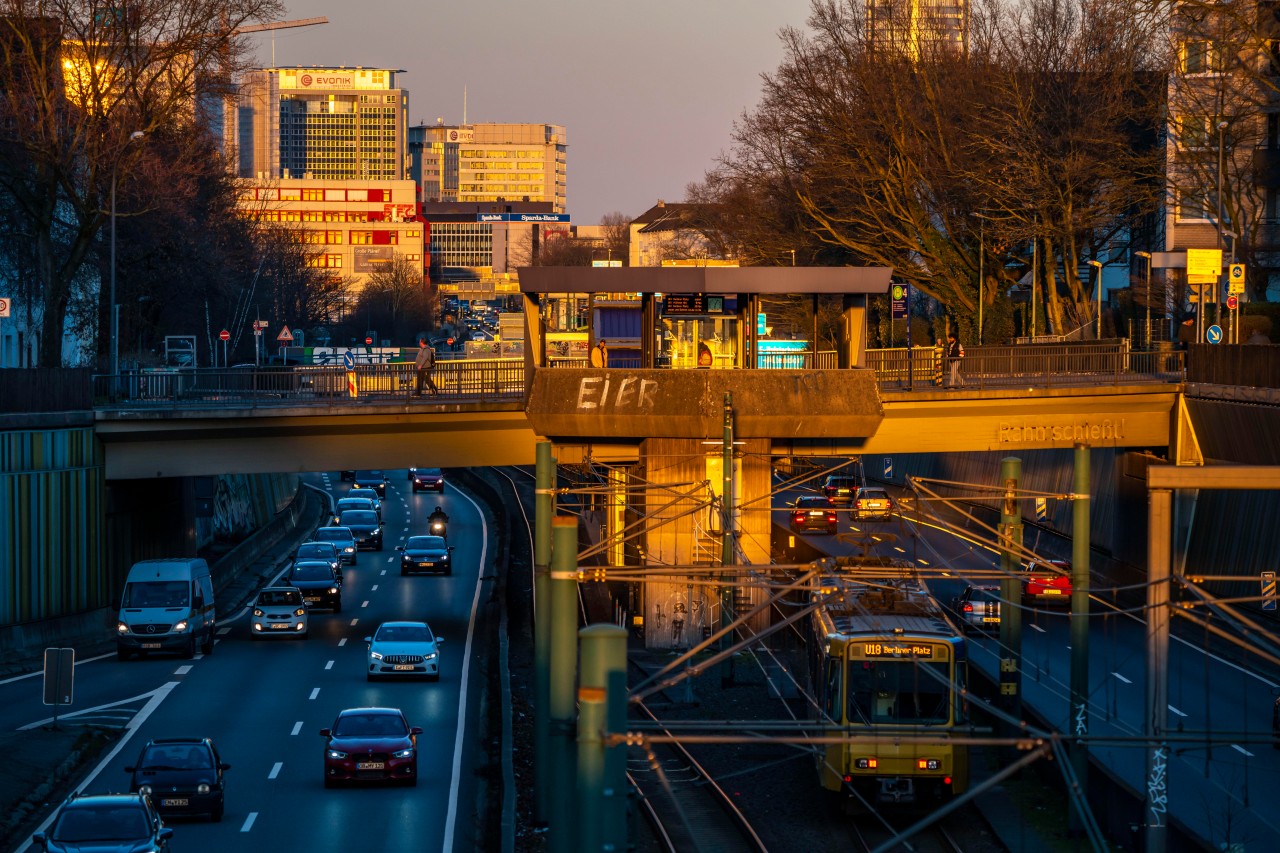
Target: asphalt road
x,y
264,703
1221,787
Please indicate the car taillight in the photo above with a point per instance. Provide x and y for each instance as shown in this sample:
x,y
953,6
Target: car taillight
x,y
831,518
968,608
799,517
858,504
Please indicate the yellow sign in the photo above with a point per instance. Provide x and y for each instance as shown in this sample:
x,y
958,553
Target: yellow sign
x,y
1204,266
1235,279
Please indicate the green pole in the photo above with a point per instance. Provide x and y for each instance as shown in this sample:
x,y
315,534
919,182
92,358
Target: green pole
x,y
1011,589
727,535
544,510
1080,634
602,709
563,585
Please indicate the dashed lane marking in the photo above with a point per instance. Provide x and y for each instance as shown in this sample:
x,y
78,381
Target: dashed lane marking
x,y
1242,750
182,670
297,727
329,665
1176,711
364,604
248,822
354,622
374,588
315,691
1122,678
275,770
342,642
222,632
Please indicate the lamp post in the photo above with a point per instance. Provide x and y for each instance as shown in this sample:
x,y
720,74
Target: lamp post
x,y
1097,267
982,251
1222,125
1147,255
793,257
111,305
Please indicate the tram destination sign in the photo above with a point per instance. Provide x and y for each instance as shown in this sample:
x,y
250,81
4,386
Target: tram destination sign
x,y
897,650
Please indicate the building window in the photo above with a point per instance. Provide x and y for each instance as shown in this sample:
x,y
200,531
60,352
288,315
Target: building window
x,y
1196,132
312,194
361,238
1199,206
1201,56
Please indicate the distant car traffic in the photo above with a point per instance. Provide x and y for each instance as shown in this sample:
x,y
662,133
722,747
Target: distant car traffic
x,y
370,745
343,504
812,513
346,476
872,503
342,538
427,478
326,551
371,494
318,584
365,526
183,776
425,554
978,608
1047,586
840,489
403,649
279,611
105,823
375,480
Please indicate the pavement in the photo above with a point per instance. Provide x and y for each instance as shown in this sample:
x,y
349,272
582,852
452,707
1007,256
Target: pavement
x,y
43,766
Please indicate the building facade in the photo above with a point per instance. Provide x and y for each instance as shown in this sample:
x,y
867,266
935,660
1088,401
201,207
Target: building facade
x,y
490,163
355,226
470,242
326,123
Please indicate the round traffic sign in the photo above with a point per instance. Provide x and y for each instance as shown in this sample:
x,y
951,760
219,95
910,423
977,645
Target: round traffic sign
x,y
1233,303
224,335
1213,334
368,342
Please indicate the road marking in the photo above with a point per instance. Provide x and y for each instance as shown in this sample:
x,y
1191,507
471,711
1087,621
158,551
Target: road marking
x,y
342,642
1037,627
1176,711
182,670
315,691
923,562
383,572
353,622
899,550
374,588
297,727
329,665
275,770
222,632
248,822
364,603
1241,749
1122,678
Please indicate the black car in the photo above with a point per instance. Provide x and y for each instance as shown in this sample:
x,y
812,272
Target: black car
x,y
325,551
812,513
105,823
427,478
183,776
318,583
346,476
365,526
426,554
840,489
375,480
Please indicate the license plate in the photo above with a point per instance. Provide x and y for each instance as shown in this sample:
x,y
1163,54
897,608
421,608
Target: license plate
x,y
990,618
371,765
279,626
151,645
404,666
181,802
426,565
311,600
1052,591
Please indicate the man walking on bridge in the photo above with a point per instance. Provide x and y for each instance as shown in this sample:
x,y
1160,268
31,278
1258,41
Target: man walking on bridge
x,y
424,364
955,354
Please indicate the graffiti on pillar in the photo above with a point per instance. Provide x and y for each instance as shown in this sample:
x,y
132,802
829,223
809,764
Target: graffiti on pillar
x,y
624,394
1157,792
233,515
677,620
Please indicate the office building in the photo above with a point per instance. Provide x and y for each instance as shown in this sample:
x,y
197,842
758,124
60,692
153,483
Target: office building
x,y
490,163
326,123
916,28
475,242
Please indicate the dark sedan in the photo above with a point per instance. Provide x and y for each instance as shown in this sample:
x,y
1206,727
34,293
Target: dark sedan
x,y
318,584
375,480
183,776
365,526
427,478
370,744
107,823
426,554
813,514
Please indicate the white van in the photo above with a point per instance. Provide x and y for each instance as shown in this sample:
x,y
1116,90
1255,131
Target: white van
x,y
167,606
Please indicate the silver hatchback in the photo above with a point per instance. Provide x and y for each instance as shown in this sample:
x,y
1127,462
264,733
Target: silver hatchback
x,y
279,611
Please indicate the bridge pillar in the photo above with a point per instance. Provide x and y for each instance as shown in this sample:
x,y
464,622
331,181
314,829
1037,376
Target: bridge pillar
x,y
681,477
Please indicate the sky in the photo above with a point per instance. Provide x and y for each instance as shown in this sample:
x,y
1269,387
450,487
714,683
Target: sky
x,y
647,92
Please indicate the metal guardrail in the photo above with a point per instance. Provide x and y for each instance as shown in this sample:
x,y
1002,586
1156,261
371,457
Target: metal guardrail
x,y
502,379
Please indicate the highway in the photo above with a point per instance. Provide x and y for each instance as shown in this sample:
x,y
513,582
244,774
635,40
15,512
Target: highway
x,y
1222,778
264,703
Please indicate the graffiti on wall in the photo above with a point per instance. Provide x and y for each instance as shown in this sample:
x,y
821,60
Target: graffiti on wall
x,y
678,619
233,515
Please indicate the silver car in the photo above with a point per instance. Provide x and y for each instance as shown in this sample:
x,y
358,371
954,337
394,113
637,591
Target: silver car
x,y
279,611
403,648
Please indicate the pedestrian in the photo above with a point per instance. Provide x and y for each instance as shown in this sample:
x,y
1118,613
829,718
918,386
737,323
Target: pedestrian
x,y
955,353
600,358
424,364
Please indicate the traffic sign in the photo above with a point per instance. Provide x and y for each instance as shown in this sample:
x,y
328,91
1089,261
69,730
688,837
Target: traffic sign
x,y
285,335
349,360
259,324
224,335
368,342
1042,509
59,675
1233,302
1235,279
5,304
888,467
900,294
1213,334
1204,266
1268,590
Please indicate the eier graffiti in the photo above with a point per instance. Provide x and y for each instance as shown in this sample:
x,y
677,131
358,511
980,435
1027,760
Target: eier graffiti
x,y
625,393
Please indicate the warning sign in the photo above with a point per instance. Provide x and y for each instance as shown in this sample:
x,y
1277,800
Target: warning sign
x,y
285,335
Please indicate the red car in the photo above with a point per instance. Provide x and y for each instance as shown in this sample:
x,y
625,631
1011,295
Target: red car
x,y
370,745
1048,582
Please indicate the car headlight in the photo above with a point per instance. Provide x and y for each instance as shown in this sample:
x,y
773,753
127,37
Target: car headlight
x,y
444,558
257,611
404,753
376,655
431,656
333,753
180,627
122,628
301,611
333,590
145,790
202,788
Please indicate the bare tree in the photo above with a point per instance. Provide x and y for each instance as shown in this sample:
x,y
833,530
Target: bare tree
x,y
78,80
398,299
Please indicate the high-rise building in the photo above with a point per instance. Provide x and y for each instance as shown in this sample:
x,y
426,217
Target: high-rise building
x,y
325,123
490,163
915,28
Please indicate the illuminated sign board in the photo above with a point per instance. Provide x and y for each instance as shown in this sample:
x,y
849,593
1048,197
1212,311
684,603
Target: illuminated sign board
x,y
897,650
522,217
686,304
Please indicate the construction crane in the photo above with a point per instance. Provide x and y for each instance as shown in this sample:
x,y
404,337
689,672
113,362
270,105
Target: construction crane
x,y
279,25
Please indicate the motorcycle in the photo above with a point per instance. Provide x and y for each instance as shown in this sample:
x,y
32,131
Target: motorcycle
x,y
438,527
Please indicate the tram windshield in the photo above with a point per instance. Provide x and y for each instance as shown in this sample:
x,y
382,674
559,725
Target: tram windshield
x,y
910,692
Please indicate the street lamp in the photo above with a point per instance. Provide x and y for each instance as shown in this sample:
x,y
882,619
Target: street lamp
x,y
1097,266
111,305
1147,255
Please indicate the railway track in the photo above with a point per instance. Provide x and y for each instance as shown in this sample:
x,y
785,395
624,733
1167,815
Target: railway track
x,y
872,836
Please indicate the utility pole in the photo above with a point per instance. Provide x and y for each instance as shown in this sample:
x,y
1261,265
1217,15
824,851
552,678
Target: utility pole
x,y
1011,590
1080,634
562,707
727,541
544,511
1159,546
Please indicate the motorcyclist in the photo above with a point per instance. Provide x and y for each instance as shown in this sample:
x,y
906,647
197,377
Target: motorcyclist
x,y
438,516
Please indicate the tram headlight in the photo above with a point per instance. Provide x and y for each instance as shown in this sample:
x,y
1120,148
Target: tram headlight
x,y
866,763
928,764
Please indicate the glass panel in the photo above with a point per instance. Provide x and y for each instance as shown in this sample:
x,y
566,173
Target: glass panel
x,y
890,691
